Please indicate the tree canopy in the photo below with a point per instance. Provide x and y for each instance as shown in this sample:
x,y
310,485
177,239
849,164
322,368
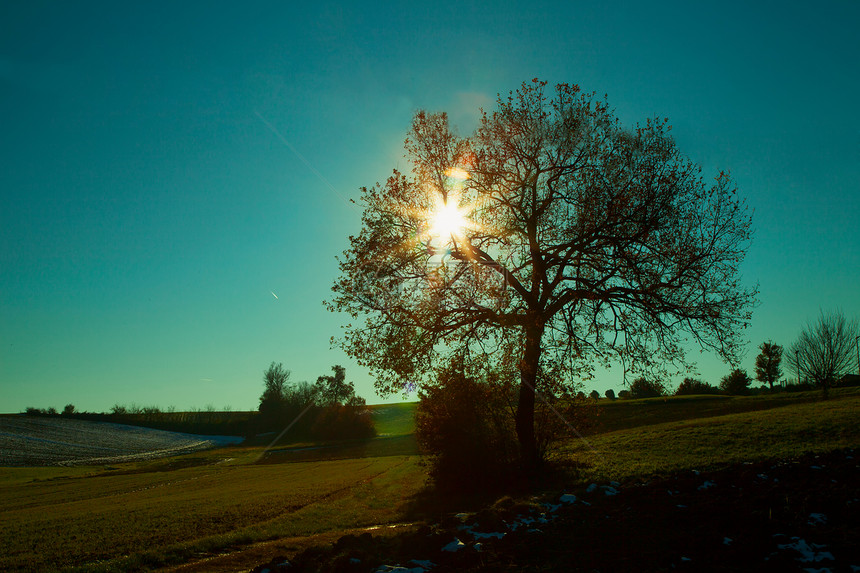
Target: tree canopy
x,y
824,351
767,370
550,241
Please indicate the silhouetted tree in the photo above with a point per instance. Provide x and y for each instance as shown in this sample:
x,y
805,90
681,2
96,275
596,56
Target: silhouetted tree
x,y
595,395
767,369
461,424
610,394
69,410
335,390
553,238
693,386
644,388
737,383
824,351
275,378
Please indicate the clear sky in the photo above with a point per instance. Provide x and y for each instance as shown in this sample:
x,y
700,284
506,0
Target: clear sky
x,y
174,176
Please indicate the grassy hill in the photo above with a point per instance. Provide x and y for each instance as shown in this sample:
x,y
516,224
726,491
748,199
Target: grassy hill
x,y
225,509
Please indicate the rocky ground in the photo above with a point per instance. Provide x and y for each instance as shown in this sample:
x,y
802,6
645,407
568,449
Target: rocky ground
x,y
44,441
789,515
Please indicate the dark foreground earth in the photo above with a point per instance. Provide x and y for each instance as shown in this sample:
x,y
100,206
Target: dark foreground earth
x,y
789,515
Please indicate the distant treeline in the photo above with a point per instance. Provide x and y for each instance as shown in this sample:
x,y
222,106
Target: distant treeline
x,y
205,422
325,411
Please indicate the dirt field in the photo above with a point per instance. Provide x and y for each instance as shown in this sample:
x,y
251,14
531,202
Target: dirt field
x,y
42,441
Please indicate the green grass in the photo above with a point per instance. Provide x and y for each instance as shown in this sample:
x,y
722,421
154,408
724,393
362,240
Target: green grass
x,y
394,419
623,414
63,518
151,514
780,431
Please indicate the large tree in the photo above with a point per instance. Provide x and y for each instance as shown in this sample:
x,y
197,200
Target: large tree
x,y
767,370
824,351
550,241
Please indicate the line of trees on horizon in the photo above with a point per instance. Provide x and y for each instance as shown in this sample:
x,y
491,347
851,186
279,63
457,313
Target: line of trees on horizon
x,y
327,410
825,355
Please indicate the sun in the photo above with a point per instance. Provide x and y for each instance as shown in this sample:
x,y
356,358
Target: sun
x,y
447,221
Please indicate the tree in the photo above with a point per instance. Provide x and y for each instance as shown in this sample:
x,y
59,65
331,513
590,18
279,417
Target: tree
x,y
275,378
69,410
644,388
767,369
550,241
737,383
692,386
595,395
824,351
336,391
610,394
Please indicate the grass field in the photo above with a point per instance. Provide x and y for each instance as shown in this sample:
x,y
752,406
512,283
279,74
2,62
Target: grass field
x,y
149,515
784,429
240,500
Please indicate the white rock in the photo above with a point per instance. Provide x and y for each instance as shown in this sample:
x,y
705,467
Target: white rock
x,y
455,545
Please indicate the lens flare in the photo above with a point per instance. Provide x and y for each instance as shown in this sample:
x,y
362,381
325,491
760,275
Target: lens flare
x,y
457,173
447,221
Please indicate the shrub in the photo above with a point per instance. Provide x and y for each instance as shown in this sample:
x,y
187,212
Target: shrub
x,y
737,383
692,386
644,388
461,423
339,422
610,394
69,410
623,394
595,395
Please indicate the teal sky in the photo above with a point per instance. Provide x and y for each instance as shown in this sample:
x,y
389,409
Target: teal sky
x,y
161,243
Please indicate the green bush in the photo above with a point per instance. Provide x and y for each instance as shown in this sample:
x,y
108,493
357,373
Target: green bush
x,y
644,388
462,424
737,383
692,386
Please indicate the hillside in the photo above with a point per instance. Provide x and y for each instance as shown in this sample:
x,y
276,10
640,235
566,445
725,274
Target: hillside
x,y
57,440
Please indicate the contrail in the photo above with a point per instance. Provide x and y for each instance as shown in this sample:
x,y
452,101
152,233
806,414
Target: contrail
x,y
307,163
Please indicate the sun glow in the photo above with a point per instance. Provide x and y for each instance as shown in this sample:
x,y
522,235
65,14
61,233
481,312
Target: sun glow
x,y
448,221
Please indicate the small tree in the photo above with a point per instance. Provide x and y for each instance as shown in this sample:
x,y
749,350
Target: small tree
x,y
737,383
644,388
336,391
824,352
610,394
275,378
69,410
692,386
595,395
767,369
462,425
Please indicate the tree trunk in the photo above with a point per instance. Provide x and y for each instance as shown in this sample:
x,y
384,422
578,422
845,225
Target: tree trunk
x,y
525,421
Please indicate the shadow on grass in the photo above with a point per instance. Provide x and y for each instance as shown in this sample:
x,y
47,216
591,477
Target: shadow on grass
x,y
365,448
